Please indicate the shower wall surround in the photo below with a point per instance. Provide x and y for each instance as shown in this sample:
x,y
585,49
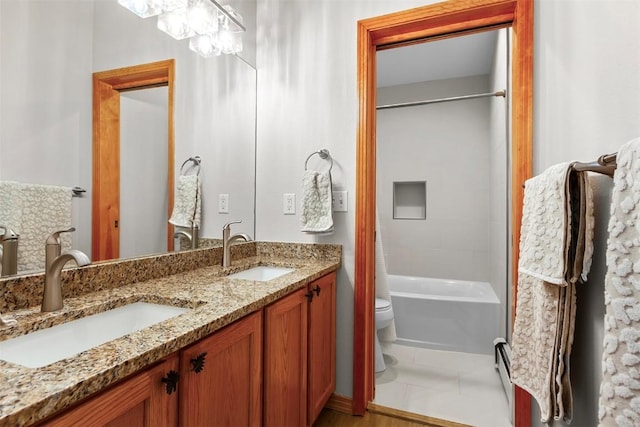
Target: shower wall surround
x,y
448,146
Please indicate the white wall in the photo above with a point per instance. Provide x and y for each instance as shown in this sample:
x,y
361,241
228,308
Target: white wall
x,y
143,185
447,145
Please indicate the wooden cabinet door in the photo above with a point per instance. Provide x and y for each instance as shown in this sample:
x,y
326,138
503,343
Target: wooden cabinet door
x,y
285,361
220,377
322,345
141,401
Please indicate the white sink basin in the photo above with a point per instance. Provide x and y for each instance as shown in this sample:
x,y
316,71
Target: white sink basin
x,y
262,273
46,346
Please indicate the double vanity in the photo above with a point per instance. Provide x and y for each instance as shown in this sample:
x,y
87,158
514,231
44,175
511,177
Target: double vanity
x,y
175,339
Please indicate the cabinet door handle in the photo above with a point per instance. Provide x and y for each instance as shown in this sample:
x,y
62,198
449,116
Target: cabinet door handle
x,y
197,363
309,295
171,381
317,290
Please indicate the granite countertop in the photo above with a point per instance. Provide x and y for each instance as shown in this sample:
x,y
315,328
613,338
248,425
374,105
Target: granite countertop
x,y
28,395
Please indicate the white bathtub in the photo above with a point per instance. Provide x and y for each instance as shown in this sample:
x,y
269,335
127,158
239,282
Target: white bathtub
x,y
454,315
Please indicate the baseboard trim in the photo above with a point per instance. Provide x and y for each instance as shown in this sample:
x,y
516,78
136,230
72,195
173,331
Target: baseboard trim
x,y
410,416
340,404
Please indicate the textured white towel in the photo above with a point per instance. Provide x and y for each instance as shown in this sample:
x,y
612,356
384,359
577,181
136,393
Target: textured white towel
x,y
45,209
187,204
555,252
619,403
11,205
317,215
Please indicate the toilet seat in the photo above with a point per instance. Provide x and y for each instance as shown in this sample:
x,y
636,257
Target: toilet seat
x,y
384,313
382,304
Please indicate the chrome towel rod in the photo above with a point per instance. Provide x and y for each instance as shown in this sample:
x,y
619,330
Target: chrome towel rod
x,y
501,93
77,191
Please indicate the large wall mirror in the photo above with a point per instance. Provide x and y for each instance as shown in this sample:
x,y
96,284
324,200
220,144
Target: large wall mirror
x,y
49,52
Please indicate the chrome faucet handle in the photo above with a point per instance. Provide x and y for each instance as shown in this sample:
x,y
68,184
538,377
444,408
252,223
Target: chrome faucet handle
x,y
54,238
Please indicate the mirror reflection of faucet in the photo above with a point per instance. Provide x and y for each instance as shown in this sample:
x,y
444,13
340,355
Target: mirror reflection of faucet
x,y
8,251
192,236
54,262
227,239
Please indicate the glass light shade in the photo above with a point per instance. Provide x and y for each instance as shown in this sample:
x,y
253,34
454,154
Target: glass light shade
x,y
230,42
143,8
171,5
205,45
175,24
228,24
230,36
203,16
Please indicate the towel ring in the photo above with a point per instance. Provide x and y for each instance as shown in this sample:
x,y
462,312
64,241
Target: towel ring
x,y
196,161
324,154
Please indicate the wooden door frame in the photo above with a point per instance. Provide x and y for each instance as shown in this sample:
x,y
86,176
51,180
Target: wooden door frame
x,y
440,20
107,85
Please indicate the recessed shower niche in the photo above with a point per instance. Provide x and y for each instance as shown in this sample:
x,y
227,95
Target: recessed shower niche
x,y
410,200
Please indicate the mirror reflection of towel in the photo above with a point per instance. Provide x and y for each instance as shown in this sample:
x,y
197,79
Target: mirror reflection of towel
x,y
187,203
317,215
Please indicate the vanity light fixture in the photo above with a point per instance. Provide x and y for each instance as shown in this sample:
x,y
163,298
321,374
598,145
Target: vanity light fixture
x,y
213,29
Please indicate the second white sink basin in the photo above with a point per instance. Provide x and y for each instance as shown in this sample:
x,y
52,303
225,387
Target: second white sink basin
x,y
46,346
263,273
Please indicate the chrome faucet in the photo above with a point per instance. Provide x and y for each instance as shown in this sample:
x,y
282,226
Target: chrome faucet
x,y
54,262
226,242
8,251
192,237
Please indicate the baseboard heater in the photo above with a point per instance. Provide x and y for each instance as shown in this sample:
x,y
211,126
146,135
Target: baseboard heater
x,y
502,355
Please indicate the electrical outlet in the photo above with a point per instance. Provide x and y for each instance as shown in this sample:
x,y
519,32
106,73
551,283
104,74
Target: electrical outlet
x,y
339,201
289,204
223,203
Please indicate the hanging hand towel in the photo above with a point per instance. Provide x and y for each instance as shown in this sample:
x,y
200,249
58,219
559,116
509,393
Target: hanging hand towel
x,y
317,212
187,204
619,403
555,252
45,209
11,205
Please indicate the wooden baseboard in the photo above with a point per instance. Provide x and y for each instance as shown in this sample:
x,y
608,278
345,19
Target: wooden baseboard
x,y
410,416
340,404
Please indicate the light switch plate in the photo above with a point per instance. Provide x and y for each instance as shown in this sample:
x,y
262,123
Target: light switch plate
x,y
223,203
340,201
289,203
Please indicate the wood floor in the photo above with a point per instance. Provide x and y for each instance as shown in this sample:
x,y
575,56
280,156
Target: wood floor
x,y
379,416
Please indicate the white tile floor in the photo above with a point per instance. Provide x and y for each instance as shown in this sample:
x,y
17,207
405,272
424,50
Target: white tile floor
x,y
459,387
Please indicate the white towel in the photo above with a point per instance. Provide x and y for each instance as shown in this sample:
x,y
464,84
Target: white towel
x,y
555,252
619,403
317,212
187,203
11,205
45,209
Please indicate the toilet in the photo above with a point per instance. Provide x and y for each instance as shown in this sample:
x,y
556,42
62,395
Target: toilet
x,y
384,317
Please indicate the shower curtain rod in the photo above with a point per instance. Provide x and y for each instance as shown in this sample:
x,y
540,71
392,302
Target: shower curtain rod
x,y
501,93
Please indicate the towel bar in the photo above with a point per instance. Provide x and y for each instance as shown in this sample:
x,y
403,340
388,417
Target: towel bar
x,y
324,154
196,163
